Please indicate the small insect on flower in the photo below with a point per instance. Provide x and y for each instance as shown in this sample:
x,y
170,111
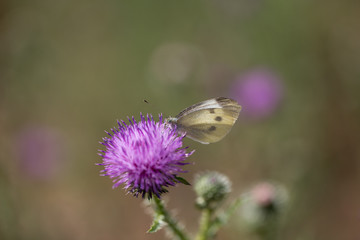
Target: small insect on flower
x,y
145,156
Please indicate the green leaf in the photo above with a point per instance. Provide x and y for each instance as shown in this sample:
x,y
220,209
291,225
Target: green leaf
x,y
157,224
182,180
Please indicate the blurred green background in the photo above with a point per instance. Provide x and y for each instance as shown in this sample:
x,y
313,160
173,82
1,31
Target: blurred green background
x,y
69,69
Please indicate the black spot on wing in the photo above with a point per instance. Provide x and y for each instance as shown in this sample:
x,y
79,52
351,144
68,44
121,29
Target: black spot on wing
x,y
218,118
212,128
223,101
229,105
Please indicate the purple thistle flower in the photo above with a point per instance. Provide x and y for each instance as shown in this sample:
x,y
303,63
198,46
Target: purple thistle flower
x,y
40,151
259,91
146,156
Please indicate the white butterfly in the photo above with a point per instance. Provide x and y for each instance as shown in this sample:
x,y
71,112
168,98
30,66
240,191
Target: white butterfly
x,y
208,121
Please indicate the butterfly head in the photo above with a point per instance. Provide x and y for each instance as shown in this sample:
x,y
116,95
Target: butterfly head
x,y
171,122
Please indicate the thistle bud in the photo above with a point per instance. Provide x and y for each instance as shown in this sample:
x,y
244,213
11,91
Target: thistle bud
x,y
263,205
211,188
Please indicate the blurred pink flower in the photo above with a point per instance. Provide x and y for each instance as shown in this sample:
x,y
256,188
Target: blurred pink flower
x,y
259,91
40,152
263,204
264,194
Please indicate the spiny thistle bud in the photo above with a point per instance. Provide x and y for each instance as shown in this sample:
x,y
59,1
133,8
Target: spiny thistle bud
x,y
262,205
211,188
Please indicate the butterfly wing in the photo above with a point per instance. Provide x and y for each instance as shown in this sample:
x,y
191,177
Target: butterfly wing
x,y
209,121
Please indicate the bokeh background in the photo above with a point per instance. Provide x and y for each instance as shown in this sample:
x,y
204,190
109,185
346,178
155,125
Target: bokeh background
x,y
69,69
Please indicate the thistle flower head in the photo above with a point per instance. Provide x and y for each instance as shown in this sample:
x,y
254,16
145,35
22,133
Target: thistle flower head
x,y
259,91
41,152
145,156
263,204
211,188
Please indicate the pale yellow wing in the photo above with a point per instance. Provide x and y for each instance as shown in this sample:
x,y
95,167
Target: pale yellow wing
x,y
208,123
209,116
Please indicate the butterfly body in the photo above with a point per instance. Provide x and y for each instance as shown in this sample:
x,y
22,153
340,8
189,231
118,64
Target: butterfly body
x,y
208,121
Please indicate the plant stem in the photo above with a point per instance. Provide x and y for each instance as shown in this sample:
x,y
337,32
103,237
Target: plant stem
x,y
169,220
205,223
222,218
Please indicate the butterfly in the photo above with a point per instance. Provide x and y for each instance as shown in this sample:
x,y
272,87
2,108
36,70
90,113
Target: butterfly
x,y
208,121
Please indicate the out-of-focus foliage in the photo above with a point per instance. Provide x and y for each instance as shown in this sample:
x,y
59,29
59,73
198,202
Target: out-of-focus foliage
x,y
69,69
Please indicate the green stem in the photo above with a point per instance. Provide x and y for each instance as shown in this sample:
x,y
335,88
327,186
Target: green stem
x,y
223,218
205,223
169,220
